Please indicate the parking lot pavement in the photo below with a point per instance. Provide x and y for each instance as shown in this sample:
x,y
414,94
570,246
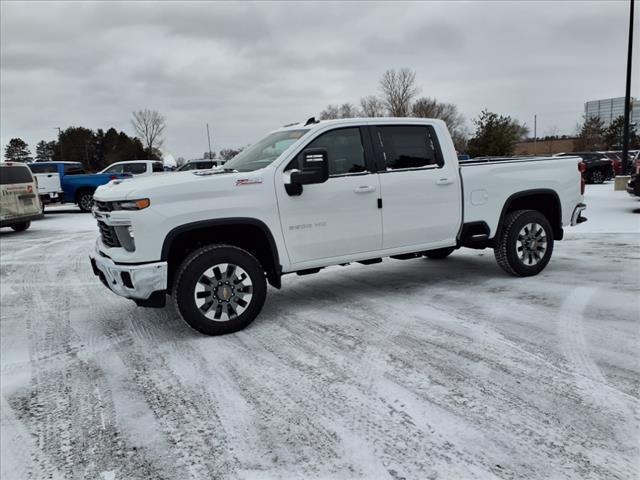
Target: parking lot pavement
x,y
408,369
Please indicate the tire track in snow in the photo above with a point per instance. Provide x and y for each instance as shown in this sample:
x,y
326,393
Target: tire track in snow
x,y
587,372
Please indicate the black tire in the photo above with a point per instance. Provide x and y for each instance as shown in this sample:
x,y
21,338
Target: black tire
x,y
21,227
511,249
440,253
188,281
85,201
597,176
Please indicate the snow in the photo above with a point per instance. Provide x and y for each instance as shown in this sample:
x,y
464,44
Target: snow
x,y
406,369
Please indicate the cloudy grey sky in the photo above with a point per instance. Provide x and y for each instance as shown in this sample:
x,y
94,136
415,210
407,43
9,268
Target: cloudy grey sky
x,y
251,67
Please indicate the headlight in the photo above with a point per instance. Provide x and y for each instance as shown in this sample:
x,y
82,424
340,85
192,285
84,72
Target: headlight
x,y
132,204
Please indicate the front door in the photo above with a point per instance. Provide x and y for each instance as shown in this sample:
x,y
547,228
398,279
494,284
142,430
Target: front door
x,y
338,217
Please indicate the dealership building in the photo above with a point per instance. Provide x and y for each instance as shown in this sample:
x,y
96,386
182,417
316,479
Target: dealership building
x,y
609,109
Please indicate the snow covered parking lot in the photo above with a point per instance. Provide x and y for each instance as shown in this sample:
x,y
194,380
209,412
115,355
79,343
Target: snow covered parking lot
x,y
408,369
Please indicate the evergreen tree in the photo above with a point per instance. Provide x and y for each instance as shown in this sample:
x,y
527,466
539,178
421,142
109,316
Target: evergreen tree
x,y
495,135
46,151
17,150
590,135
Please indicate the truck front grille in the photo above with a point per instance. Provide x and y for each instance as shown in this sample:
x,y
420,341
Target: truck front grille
x,y
108,234
104,206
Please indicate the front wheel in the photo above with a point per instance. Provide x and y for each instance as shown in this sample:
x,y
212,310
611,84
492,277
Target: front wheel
x,y
85,201
525,244
21,227
220,289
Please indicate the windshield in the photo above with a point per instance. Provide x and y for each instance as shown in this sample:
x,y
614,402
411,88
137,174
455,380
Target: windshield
x,y
265,151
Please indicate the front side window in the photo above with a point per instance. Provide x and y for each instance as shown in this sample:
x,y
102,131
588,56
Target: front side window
x,y
113,169
407,146
157,167
344,151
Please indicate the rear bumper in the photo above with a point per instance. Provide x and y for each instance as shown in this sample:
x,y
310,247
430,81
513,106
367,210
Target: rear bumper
x,y
577,217
16,220
137,282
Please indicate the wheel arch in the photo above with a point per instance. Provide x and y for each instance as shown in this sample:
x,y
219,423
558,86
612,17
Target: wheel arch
x,y
249,234
544,200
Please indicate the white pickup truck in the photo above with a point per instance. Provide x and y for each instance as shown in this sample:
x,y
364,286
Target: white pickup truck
x,y
316,194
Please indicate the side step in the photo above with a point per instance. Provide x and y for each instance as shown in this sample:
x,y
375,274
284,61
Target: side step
x,y
371,261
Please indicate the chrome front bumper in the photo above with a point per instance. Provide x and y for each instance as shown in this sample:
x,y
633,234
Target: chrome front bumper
x,y
577,217
130,281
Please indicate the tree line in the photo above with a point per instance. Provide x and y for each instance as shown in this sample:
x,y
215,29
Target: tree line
x,y
97,149
397,96
593,135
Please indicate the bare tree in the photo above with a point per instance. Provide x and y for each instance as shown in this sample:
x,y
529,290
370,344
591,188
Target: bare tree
x,y
330,112
426,107
346,110
149,125
398,89
372,106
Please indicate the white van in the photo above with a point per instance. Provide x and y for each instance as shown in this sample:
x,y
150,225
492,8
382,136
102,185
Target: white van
x,y
19,200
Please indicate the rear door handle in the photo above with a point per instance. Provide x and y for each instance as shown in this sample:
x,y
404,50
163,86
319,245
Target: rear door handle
x,y
364,189
444,181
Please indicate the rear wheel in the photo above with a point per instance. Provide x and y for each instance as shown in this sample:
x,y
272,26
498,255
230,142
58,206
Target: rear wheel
x,y
85,201
21,227
220,289
439,253
597,176
526,243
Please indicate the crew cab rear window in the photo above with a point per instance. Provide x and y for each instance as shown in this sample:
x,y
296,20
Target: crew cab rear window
x,y
407,146
10,175
35,168
134,168
73,170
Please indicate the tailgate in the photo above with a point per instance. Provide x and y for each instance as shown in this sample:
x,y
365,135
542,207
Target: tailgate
x,y
48,183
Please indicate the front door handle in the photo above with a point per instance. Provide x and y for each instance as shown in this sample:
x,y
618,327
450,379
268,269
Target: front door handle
x,y
364,189
444,181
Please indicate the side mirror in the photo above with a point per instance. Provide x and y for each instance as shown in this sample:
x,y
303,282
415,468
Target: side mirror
x,y
315,167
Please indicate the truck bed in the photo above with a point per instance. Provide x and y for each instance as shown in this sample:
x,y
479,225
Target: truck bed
x,y
487,182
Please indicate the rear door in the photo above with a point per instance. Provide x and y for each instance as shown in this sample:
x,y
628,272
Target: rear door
x,y
420,192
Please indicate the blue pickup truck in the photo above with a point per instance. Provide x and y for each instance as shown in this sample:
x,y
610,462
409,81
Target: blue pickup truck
x,y
67,182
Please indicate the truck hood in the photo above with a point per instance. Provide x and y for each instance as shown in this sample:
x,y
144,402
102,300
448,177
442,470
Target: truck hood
x,y
175,186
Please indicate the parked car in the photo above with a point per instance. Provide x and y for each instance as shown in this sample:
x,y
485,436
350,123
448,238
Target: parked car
x,y
599,168
137,168
78,186
198,165
48,179
19,201
317,194
616,161
633,186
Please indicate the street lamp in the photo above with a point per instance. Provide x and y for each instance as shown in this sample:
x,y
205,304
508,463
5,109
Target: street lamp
x,y
627,97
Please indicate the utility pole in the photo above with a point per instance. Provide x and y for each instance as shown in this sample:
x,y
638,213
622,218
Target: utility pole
x,y
59,142
209,138
535,134
627,97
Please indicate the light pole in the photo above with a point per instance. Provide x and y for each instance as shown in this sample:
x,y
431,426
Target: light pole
x,y
627,97
59,142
